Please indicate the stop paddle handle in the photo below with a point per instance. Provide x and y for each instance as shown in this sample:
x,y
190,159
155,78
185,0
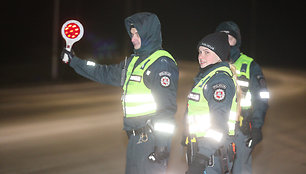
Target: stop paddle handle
x,y
72,31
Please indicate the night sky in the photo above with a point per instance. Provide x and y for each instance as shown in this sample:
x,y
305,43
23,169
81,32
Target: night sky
x,y
272,32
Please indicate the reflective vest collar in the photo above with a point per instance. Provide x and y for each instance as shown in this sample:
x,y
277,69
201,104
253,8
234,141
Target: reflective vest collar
x,y
243,64
144,65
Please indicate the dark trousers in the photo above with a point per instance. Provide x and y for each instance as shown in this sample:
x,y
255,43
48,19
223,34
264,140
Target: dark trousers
x,y
216,168
137,161
243,161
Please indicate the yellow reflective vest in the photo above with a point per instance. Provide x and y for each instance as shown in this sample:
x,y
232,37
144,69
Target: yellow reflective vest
x,y
243,64
137,98
198,110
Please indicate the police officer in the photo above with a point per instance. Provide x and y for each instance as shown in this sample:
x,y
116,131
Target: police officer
x,y
211,113
254,103
149,79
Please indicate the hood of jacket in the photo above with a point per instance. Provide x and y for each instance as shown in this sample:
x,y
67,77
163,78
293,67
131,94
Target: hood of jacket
x,y
149,30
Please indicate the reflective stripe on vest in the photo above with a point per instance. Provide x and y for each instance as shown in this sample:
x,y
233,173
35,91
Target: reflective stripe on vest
x,y
243,64
199,118
138,99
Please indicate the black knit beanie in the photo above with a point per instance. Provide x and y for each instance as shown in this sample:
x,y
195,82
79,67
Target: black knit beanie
x,y
218,43
231,28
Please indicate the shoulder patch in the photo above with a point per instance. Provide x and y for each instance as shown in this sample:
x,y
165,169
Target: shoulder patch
x,y
219,94
165,81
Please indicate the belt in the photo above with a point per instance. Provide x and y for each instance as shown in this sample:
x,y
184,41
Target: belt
x,y
139,131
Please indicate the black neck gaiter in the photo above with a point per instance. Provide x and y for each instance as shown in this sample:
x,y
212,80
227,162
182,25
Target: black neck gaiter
x,y
235,53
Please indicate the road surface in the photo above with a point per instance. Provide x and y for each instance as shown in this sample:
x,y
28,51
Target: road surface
x,y
76,128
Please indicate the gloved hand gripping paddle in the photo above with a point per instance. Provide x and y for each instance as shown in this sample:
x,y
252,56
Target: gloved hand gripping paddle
x,y
72,31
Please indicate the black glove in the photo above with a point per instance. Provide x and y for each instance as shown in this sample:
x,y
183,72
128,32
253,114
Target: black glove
x,y
245,127
256,137
70,55
198,164
159,154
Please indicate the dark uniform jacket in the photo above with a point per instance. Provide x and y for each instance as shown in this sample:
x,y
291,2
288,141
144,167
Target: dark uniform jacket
x,y
219,110
148,27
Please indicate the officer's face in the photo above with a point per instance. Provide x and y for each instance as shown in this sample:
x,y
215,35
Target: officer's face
x,y
135,38
207,57
231,40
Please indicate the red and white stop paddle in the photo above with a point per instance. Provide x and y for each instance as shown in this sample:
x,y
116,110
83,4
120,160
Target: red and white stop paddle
x,y
72,31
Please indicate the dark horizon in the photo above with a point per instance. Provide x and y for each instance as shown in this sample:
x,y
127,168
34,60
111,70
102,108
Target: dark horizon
x,y
270,31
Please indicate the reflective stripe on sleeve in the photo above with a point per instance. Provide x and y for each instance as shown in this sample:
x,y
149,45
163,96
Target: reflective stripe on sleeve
x,y
164,127
246,101
243,83
264,95
90,63
232,123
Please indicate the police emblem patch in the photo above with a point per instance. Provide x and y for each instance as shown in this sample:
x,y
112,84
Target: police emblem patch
x,y
165,81
219,94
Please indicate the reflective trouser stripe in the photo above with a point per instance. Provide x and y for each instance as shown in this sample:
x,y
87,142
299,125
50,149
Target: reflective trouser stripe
x,y
264,95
